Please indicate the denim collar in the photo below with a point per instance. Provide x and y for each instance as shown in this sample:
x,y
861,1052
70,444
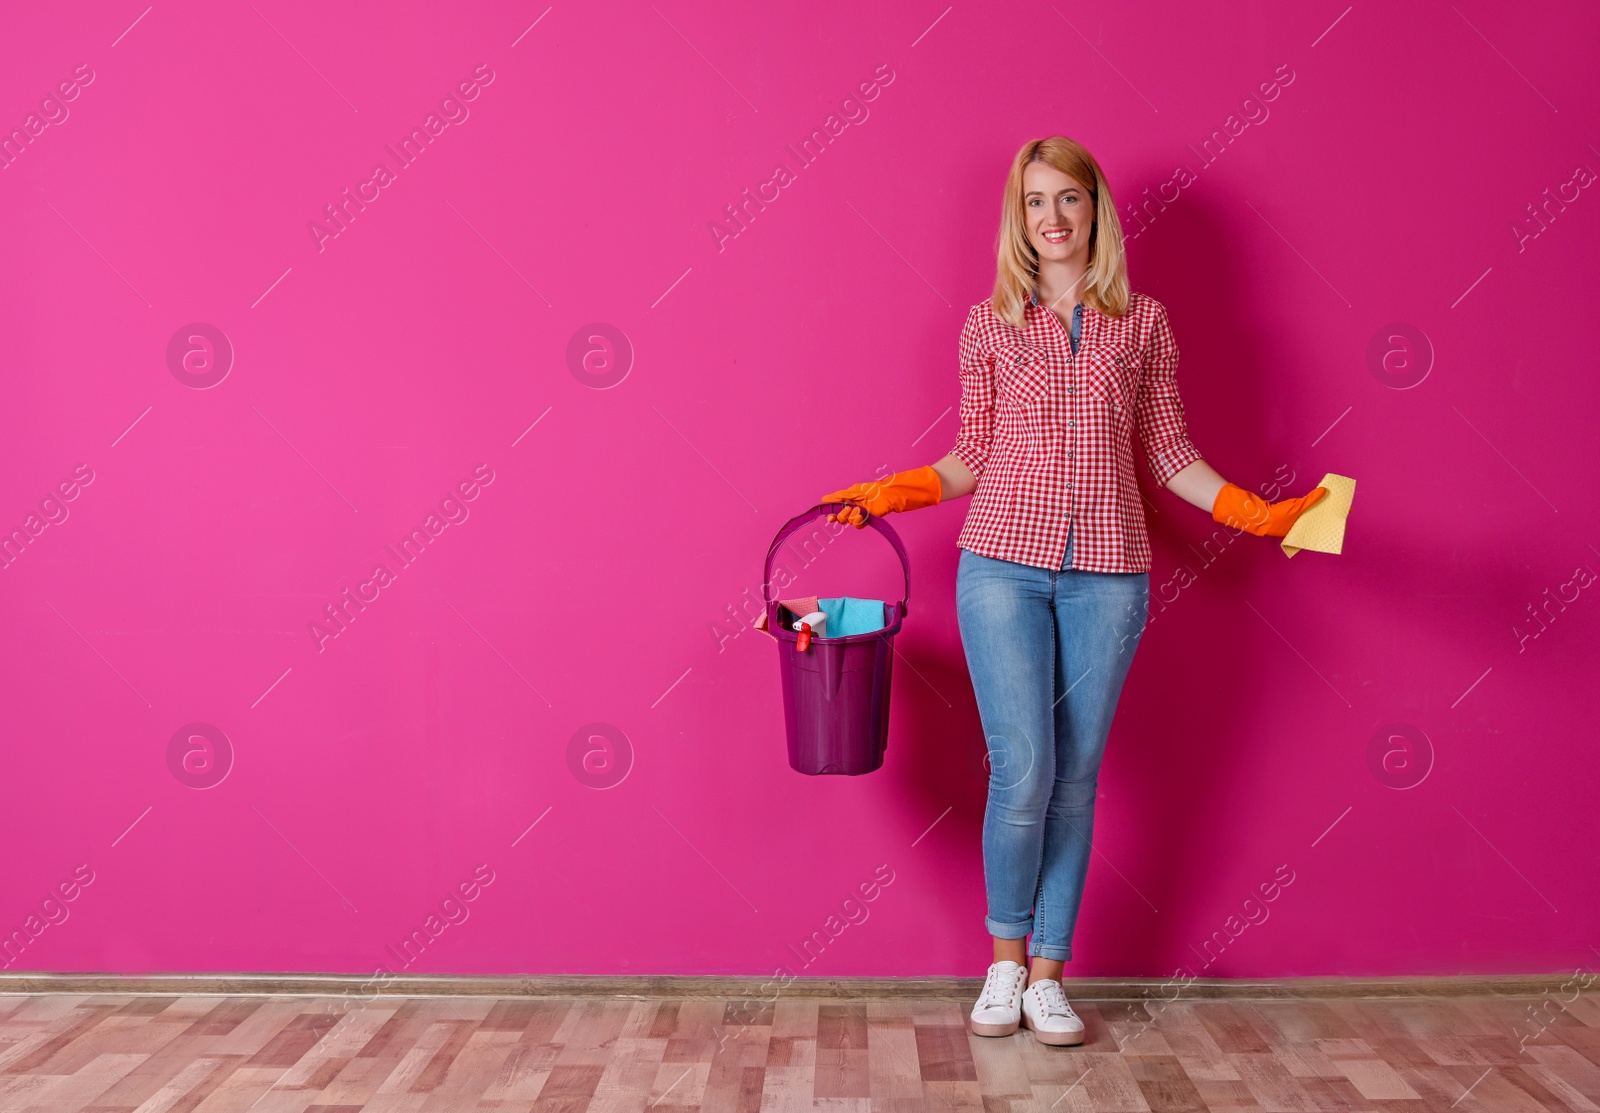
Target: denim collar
x,y
1077,310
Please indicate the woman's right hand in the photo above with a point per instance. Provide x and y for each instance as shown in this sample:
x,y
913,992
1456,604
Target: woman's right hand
x,y
904,490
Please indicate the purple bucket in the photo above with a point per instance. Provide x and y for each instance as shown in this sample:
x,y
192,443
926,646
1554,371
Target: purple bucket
x,y
836,693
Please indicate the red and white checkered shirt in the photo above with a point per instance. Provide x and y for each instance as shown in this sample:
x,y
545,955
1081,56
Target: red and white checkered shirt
x,y
1048,433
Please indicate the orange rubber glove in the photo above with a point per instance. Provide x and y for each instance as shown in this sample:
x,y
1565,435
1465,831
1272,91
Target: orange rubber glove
x,y
1240,509
904,490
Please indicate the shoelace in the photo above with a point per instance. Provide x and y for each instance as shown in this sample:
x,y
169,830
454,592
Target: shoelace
x,y
1053,1000
999,987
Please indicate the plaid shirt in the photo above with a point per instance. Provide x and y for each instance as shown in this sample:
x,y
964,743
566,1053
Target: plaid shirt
x,y
1048,433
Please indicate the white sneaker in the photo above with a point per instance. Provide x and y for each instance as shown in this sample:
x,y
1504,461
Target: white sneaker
x,y
999,1007
1045,1010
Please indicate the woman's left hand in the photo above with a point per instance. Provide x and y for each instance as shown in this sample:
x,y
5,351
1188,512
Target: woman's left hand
x,y
1240,509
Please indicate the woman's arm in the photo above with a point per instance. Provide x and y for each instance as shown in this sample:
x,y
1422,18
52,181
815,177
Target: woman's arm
x,y
1176,463
1158,414
958,470
957,473
955,478
1197,484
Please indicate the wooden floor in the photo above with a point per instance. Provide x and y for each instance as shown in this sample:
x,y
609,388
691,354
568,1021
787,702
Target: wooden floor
x,y
117,1054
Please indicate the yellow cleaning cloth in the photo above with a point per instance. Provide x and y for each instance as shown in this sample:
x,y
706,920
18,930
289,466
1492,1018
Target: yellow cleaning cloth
x,y
1321,529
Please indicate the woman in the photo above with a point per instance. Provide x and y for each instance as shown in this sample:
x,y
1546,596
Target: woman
x,y
1058,369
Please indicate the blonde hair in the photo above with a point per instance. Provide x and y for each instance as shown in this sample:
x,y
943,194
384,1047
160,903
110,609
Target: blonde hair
x,y
1105,283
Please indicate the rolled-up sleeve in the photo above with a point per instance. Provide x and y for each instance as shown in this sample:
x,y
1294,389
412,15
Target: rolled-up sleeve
x,y
977,397
1158,410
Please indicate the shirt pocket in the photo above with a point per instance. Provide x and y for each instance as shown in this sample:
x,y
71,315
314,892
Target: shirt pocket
x,y
1021,374
1115,375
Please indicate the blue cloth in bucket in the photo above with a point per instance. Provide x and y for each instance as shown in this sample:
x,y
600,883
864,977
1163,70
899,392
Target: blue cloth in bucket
x,y
848,616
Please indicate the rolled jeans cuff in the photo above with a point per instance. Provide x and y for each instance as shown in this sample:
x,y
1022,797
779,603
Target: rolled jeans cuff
x,y
1047,950
1020,930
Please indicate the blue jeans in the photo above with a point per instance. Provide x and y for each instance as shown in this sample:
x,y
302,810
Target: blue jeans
x,y
1048,652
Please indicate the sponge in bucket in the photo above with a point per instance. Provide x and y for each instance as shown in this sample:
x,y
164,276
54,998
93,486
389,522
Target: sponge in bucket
x,y
848,616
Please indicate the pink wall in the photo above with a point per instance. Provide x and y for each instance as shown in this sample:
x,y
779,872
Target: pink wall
x,y
1388,188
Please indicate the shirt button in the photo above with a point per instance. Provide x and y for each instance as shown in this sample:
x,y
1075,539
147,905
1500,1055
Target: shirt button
x,y
1071,422
1069,390
1069,484
1069,452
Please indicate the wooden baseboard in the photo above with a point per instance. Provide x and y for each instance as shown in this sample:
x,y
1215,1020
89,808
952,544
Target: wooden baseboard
x,y
355,989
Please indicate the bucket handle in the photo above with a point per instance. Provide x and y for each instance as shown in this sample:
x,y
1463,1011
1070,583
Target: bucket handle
x,y
793,525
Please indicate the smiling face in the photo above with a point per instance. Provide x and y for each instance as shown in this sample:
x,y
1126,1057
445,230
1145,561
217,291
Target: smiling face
x,y
1058,212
